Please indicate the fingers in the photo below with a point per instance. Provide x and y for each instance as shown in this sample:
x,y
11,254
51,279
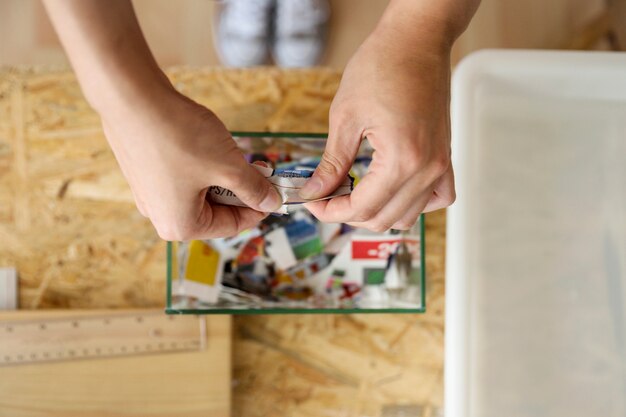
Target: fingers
x,y
407,221
381,201
384,182
213,221
444,193
402,210
338,157
186,214
227,221
199,219
369,197
250,186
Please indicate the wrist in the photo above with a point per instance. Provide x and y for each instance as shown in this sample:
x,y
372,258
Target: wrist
x,y
420,26
118,93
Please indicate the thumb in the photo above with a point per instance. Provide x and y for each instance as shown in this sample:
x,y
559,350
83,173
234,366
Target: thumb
x,y
252,188
336,162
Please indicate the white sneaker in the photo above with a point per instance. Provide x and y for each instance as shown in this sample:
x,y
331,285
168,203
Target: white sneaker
x,y
300,32
243,32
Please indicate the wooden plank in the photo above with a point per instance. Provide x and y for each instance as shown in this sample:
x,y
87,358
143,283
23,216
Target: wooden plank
x,y
91,337
174,384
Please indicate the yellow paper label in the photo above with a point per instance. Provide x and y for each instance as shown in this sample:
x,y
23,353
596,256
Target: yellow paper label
x,y
202,263
355,177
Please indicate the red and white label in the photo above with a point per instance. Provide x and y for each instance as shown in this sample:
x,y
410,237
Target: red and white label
x,y
382,249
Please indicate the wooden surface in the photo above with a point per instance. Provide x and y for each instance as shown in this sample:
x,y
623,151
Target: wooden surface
x,y
174,384
67,221
77,241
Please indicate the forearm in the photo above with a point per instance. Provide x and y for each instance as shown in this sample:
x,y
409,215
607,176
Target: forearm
x,y
438,23
108,52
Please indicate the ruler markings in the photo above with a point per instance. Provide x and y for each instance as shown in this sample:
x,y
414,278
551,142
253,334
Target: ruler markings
x,y
98,336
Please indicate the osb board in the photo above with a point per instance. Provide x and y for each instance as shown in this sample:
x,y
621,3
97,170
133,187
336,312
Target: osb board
x,y
346,365
67,222
181,384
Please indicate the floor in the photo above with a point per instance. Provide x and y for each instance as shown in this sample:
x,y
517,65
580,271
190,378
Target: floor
x,y
185,37
33,41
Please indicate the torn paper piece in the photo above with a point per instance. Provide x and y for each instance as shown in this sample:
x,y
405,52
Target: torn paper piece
x,y
8,289
203,269
279,249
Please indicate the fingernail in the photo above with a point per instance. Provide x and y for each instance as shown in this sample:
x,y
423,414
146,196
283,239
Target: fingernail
x,y
311,189
272,202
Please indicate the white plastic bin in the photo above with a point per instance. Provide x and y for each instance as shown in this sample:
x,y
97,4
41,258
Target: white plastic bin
x,y
536,243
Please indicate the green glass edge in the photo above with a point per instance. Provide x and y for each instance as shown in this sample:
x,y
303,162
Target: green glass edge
x,y
423,258
279,134
258,311
168,303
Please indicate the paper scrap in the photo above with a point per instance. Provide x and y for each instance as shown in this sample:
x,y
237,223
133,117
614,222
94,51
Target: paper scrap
x,y
203,271
279,249
8,289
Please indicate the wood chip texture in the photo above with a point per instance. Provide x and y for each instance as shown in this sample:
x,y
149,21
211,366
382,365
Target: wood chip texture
x,y
69,227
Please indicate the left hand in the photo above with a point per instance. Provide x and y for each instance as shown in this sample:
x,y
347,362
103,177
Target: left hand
x,y
400,102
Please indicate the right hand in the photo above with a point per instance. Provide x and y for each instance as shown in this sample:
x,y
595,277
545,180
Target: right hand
x,y
171,151
395,91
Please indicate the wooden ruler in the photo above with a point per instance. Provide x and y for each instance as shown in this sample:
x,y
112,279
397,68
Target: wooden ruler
x,y
31,341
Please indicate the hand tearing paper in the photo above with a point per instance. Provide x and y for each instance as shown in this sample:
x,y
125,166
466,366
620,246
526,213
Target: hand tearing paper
x,y
287,182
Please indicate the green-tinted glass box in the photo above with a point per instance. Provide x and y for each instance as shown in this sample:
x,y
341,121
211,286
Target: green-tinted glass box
x,y
352,271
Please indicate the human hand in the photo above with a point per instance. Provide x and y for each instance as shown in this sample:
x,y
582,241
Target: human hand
x,y
171,150
395,92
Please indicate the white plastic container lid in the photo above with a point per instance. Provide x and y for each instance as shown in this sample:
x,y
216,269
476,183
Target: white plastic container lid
x,y
536,243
